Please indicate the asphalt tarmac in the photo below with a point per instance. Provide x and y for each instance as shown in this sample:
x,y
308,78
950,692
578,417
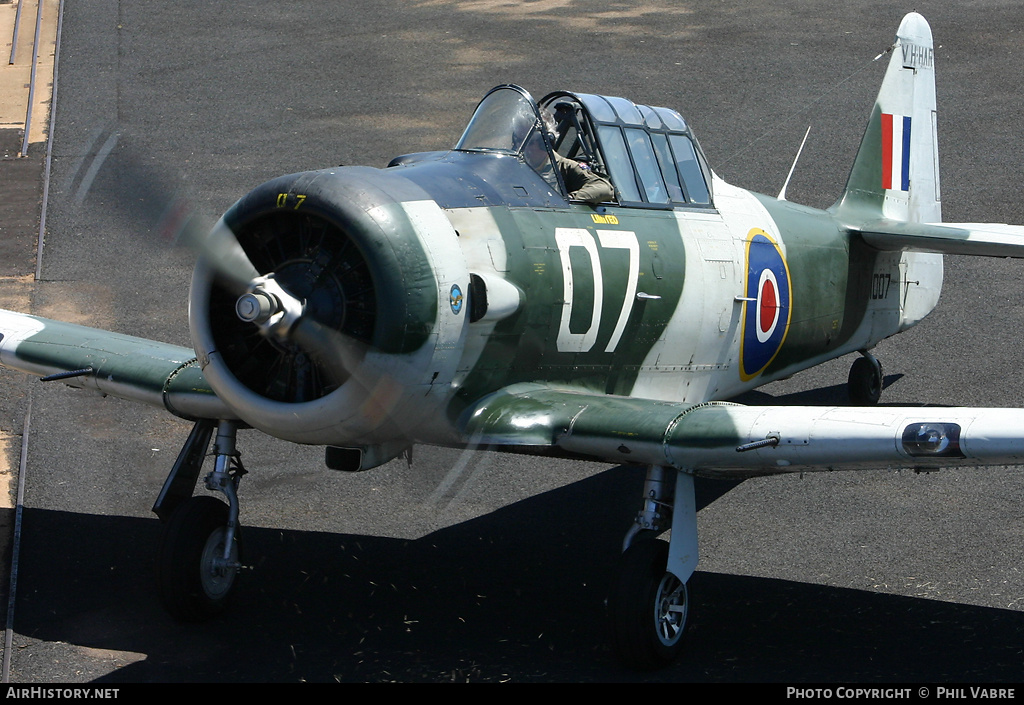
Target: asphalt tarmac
x,y
485,567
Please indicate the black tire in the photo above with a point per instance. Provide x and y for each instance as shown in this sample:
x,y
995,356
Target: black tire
x,y
865,382
646,632
190,590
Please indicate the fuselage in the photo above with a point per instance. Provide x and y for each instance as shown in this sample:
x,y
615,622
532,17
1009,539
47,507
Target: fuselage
x,y
683,304
462,273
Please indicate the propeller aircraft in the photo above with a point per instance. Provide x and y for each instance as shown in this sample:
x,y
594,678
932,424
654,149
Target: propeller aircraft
x,y
467,299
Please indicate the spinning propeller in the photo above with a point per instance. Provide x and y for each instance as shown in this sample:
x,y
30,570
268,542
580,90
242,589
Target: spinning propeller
x,y
292,326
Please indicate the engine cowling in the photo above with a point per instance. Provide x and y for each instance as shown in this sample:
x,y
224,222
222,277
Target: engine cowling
x,y
373,261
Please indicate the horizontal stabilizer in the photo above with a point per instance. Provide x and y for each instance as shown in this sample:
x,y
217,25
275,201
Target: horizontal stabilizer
x,y
982,239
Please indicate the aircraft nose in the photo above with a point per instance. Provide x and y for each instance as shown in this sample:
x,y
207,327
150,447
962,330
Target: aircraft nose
x,y
350,290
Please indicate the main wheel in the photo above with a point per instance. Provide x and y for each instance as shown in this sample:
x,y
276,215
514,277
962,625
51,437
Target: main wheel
x,y
865,382
649,607
194,586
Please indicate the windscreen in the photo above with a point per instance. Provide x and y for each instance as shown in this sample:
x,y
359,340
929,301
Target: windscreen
x,y
502,122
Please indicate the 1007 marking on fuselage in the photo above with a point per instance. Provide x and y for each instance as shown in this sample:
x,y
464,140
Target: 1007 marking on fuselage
x,y
880,285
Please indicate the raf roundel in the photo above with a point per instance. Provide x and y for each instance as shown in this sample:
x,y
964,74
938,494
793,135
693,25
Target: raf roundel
x,y
766,313
767,305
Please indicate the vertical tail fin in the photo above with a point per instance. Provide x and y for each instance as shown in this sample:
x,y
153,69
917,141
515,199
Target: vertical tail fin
x,y
896,172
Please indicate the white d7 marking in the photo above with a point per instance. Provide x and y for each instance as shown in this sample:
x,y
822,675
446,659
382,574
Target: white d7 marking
x,y
567,238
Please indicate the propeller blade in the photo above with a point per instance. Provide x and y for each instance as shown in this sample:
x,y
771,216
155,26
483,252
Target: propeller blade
x,y
338,354
113,173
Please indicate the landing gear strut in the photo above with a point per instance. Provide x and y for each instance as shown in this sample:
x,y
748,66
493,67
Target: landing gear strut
x,y
865,382
650,601
200,552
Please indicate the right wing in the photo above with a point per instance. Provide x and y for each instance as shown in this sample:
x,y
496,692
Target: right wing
x,y
146,371
720,438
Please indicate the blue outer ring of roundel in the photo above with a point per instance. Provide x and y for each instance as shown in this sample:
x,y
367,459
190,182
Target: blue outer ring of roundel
x,y
767,279
456,299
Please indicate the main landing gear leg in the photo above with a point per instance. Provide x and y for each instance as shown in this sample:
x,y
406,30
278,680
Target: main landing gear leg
x,y
200,552
865,382
650,601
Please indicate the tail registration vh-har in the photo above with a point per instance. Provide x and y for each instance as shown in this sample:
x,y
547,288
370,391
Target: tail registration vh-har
x,y
503,295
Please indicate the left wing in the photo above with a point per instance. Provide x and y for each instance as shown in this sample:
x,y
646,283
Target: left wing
x,y
161,375
721,438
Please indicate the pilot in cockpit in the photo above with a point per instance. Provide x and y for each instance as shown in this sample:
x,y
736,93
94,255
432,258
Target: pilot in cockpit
x,y
582,183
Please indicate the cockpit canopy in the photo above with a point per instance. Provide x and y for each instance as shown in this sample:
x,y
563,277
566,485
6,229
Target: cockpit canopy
x,y
649,153
502,122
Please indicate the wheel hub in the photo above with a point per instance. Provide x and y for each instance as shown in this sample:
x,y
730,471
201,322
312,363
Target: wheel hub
x,y
672,606
216,574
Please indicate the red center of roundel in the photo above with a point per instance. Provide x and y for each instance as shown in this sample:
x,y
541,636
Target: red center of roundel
x,y
769,305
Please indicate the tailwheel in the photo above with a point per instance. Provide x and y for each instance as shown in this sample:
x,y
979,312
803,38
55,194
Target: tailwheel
x,y
865,382
194,577
649,607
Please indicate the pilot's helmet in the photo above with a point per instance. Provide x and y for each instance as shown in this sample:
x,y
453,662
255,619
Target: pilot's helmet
x,y
523,124
550,125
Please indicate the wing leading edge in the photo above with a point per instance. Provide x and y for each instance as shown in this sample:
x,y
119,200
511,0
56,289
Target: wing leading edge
x,y
158,374
720,438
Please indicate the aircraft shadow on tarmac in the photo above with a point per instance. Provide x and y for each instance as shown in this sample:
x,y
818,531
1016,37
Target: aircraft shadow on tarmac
x,y
835,394
514,595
